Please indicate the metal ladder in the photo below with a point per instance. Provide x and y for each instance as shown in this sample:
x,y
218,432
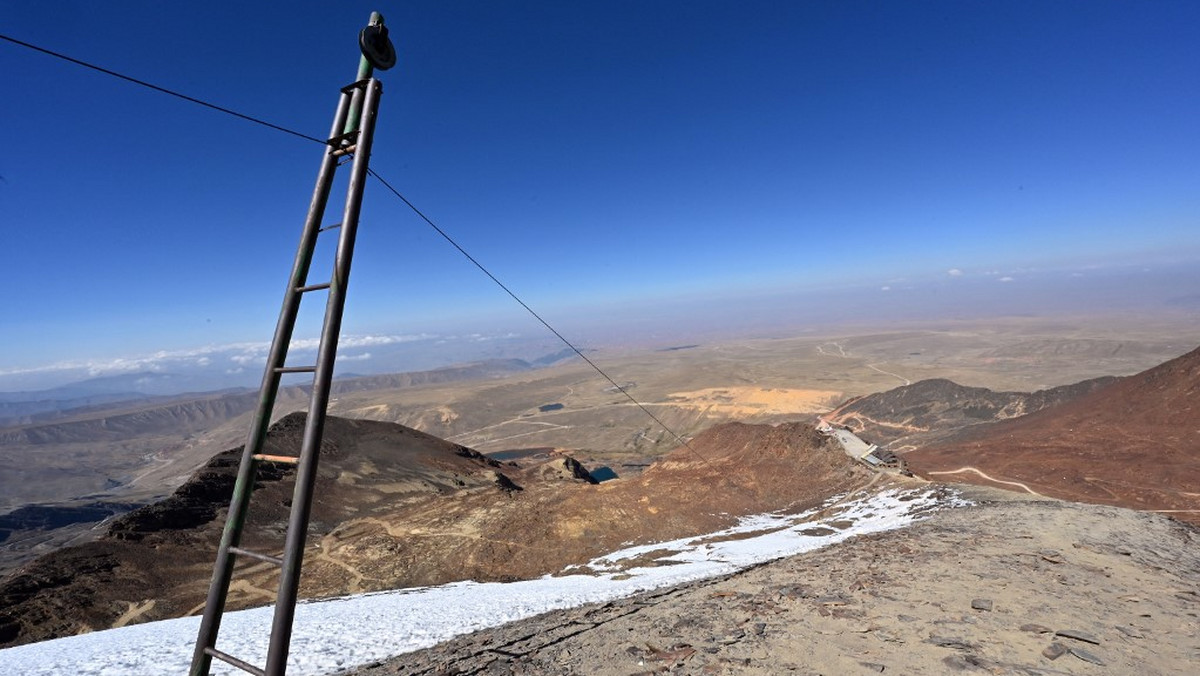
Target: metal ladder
x,y
350,135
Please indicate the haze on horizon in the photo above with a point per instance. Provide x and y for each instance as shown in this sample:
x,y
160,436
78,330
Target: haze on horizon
x,y
636,173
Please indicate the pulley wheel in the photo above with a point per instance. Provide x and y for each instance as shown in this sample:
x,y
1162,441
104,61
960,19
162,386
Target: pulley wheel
x,y
375,45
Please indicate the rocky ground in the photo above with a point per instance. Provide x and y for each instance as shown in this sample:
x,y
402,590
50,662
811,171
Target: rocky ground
x,y
1014,585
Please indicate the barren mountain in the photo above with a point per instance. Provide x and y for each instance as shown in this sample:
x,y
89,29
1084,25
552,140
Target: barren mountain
x,y
1132,443
159,556
1128,441
57,474
187,414
933,409
396,508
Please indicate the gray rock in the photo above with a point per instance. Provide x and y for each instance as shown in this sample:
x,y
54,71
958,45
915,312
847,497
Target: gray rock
x,y
1051,556
951,642
734,636
981,604
1036,629
1055,650
1131,632
1078,636
957,663
884,635
1086,656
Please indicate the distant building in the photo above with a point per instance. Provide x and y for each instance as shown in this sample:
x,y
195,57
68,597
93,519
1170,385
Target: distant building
x,y
882,458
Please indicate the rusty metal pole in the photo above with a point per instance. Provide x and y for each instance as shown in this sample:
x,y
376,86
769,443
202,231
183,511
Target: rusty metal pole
x,y
351,134
306,475
235,520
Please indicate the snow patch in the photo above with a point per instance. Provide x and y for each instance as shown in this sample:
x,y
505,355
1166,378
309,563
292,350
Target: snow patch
x,y
336,634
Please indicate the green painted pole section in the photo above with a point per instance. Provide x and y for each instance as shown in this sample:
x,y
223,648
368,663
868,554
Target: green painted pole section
x,y
365,71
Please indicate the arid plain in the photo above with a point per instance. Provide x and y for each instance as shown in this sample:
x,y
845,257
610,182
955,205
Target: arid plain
x,y
764,380
132,455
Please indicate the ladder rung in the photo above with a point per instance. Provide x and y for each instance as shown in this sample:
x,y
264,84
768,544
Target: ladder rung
x,y
256,555
330,227
345,150
313,287
230,659
262,457
296,369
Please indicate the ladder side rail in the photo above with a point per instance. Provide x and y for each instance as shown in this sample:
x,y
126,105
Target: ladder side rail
x,y
306,474
218,591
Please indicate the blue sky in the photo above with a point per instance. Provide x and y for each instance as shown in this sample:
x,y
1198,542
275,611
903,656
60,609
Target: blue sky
x,y
596,158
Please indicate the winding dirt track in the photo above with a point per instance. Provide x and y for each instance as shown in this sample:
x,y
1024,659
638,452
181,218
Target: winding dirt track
x,y
989,478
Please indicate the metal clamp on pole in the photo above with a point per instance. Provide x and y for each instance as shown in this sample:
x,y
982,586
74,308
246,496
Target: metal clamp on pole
x,y
377,52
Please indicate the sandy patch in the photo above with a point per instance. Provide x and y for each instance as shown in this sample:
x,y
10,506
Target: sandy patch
x,y
746,401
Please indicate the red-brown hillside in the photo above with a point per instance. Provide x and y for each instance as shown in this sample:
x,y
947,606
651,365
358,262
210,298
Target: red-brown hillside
x,y
1135,443
398,508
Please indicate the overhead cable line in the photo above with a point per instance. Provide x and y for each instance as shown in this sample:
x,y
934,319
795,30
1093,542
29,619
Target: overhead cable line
x,y
531,311
164,90
394,191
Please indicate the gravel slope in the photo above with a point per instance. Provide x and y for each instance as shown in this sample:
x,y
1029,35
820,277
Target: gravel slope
x,y
997,588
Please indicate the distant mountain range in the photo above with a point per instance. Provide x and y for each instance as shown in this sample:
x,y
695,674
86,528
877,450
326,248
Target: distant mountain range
x,y
26,407
148,388
63,470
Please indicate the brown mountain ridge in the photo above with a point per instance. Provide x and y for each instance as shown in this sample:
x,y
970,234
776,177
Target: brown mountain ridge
x,y
933,409
1132,441
397,508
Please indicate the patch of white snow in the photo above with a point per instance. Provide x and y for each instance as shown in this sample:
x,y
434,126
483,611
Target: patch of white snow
x,y
336,634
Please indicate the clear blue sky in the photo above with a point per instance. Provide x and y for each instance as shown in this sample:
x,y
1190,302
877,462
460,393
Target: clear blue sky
x,y
592,155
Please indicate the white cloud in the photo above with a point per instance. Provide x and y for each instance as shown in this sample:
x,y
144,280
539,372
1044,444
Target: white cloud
x,y
1005,279
367,341
358,357
479,337
357,341
954,272
154,361
248,359
242,354
885,288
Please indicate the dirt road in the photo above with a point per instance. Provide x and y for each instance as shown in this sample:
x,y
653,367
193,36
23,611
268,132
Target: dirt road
x,y
981,473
